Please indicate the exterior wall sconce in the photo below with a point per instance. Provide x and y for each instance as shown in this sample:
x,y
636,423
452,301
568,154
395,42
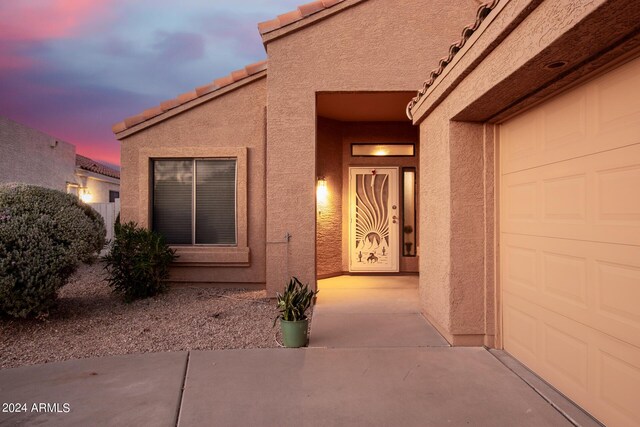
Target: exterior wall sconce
x,y
322,192
85,195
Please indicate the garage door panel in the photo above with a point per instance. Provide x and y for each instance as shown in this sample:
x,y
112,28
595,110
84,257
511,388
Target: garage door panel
x,y
599,116
598,372
570,243
616,379
616,107
617,191
564,127
524,151
593,198
617,296
565,347
521,329
596,284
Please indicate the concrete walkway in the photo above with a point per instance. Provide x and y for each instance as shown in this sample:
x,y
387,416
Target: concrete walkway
x,y
371,311
379,364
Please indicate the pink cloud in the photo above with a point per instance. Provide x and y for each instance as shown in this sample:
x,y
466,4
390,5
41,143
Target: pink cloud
x,y
23,20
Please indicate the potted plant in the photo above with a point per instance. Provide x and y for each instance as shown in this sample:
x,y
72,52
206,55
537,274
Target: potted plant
x,y
293,304
408,230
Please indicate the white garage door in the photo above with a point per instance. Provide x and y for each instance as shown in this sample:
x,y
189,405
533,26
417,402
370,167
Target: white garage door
x,y
570,243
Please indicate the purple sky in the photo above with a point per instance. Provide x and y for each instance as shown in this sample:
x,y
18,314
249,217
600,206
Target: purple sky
x,y
73,68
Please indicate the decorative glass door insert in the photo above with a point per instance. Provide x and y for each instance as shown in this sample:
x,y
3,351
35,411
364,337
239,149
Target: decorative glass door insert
x,y
373,220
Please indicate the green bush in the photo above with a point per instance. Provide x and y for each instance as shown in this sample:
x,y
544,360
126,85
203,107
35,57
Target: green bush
x,y
138,262
44,235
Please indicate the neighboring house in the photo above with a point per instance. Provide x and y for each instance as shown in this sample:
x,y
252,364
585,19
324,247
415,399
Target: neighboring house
x,y
33,157
97,183
518,185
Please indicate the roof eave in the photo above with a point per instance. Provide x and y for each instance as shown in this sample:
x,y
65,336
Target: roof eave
x,y
190,104
425,101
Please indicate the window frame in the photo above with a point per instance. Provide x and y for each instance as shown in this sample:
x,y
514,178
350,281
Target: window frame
x,y
413,169
191,255
112,192
194,199
374,144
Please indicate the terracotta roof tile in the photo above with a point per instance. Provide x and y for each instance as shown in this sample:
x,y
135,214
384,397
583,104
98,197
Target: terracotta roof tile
x,y
152,112
118,127
256,67
187,96
296,15
311,8
203,90
91,165
239,74
132,121
170,104
267,26
483,11
223,81
290,17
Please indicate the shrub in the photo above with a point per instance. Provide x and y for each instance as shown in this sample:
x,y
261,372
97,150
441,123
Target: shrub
x,y
138,262
44,235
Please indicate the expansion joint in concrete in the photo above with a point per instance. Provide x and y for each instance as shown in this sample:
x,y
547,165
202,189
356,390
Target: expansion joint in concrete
x,y
182,387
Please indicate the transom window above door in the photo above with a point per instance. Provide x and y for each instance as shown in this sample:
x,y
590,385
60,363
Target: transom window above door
x,y
382,150
194,201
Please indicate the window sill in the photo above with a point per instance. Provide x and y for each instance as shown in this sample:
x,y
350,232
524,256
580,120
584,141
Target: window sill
x,y
212,256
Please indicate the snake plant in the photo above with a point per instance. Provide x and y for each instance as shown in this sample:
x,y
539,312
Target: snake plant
x,y
294,302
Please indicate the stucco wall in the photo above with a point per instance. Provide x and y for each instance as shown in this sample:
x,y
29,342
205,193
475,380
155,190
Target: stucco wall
x,y
32,157
435,216
372,46
329,213
228,123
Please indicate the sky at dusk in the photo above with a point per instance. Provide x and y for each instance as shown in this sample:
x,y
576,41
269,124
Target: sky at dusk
x,y
73,68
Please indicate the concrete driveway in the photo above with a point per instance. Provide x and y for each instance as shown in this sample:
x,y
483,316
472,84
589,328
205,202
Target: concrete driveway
x,y
279,387
373,361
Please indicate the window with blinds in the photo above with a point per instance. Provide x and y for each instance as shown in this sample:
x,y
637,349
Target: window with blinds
x,y
194,201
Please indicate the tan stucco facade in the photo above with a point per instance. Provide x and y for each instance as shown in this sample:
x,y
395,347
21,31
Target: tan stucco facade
x,y
521,62
346,48
232,125
370,46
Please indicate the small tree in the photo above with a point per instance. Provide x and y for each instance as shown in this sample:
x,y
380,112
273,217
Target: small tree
x,y
44,235
138,263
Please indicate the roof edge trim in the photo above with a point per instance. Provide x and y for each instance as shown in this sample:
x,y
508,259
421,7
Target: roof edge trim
x,y
306,15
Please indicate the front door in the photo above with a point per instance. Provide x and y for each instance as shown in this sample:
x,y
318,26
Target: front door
x,y
373,220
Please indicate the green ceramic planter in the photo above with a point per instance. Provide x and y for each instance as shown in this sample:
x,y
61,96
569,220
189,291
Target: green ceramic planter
x,y
294,334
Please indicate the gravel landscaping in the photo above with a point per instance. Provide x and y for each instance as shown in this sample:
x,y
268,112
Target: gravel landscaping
x,y
89,321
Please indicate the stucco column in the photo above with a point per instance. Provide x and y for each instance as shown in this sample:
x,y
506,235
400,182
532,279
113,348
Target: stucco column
x,y
291,179
456,271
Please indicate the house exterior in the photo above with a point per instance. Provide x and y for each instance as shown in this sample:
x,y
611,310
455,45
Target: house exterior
x,y
520,166
33,157
96,182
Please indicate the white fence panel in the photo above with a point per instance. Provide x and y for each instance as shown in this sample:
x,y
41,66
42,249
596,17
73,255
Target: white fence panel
x,y
109,212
